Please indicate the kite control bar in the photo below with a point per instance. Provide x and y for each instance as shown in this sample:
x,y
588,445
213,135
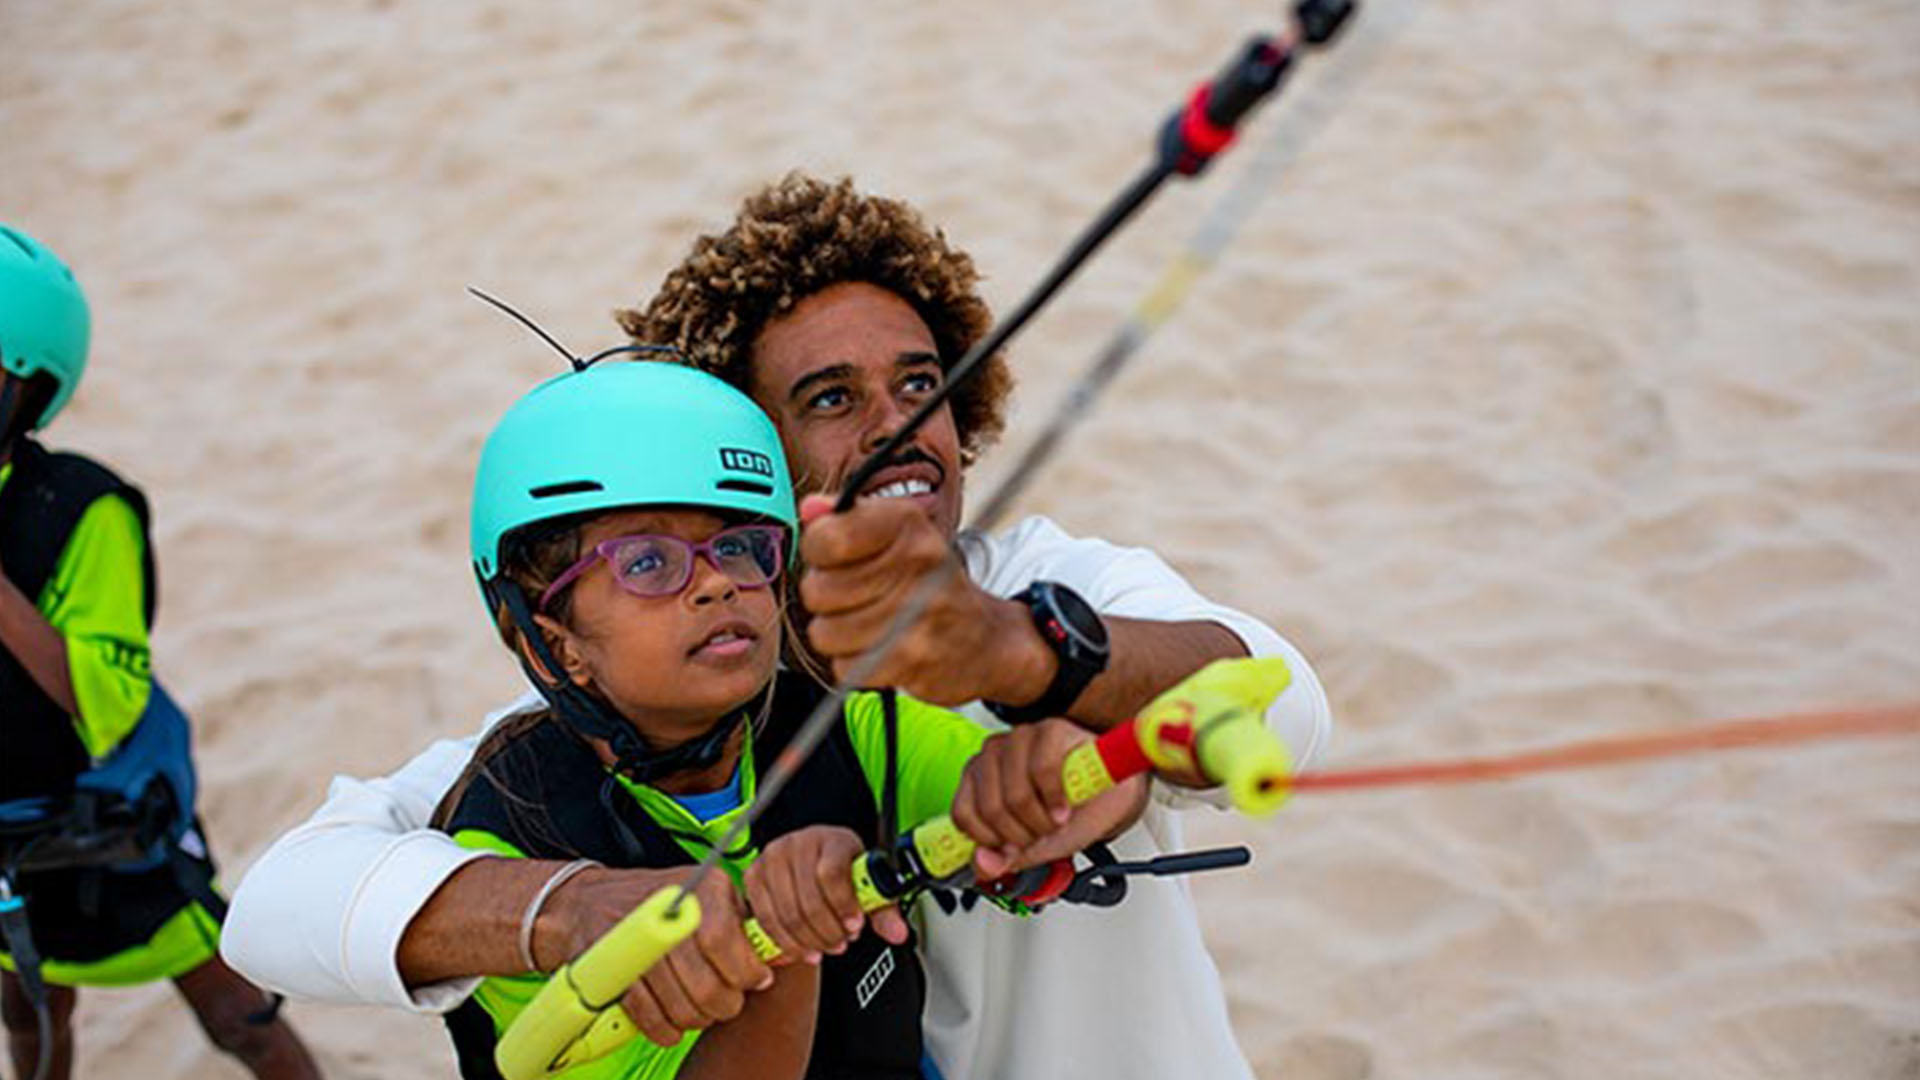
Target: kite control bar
x,y
1212,724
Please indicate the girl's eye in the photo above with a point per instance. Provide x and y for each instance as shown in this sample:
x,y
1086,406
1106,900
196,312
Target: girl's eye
x,y
645,563
730,547
922,382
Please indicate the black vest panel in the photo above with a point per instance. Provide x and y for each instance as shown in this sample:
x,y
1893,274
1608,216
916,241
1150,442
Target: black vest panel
x,y
871,996
40,506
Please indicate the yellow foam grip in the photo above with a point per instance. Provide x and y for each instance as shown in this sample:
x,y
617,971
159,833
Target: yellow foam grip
x,y
1085,773
576,1017
1226,704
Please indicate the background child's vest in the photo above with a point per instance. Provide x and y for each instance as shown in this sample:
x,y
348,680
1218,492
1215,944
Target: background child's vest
x,y
40,506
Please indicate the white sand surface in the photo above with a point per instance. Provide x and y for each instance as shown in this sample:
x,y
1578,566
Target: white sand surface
x,y
1570,385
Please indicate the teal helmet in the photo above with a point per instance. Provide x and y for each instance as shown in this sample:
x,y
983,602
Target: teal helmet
x,y
629,433
609,435
44,324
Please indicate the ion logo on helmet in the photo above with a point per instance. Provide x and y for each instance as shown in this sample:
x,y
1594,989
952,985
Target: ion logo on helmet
x,y
746,461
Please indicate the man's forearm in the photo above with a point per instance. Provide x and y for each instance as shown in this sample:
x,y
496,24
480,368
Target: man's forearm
x,y
1147,657
32,640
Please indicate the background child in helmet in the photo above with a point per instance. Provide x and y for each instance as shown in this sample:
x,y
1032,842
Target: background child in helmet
x,y
630,526
76,601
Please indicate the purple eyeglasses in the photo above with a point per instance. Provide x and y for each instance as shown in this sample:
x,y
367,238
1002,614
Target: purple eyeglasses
x,y
646,564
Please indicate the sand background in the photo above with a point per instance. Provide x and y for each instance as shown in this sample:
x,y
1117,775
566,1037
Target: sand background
x,y
1569,385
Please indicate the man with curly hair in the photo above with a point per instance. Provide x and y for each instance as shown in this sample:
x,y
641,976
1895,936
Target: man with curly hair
x,y
839,312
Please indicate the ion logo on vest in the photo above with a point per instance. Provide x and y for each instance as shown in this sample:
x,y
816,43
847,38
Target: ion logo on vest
x,y
875,978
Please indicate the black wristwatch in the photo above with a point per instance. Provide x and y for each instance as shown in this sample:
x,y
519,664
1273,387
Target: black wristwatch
x,y
1073,630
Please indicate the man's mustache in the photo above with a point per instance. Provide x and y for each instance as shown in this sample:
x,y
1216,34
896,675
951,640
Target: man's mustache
x,y
906,455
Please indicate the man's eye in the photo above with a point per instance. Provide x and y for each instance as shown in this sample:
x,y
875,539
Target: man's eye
x,y
830,398
921,382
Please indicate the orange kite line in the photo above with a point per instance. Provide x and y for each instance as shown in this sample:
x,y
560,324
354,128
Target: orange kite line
x,y
1727,735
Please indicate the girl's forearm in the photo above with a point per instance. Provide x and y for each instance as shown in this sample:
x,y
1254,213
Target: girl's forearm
x,y
772,1037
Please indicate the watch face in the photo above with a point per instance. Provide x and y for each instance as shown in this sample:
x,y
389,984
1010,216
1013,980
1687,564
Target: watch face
x,y
1079,617
1073,630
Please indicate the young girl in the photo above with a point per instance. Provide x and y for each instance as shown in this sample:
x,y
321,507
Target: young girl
x,y
631,522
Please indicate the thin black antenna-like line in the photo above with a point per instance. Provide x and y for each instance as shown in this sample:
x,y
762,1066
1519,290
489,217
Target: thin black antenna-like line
x,y
638,350
578,364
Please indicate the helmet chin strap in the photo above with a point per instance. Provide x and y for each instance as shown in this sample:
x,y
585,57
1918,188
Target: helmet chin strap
x,y
9,396
591,718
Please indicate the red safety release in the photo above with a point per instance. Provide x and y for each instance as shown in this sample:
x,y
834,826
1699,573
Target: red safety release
x,y
1120,752
1059,876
